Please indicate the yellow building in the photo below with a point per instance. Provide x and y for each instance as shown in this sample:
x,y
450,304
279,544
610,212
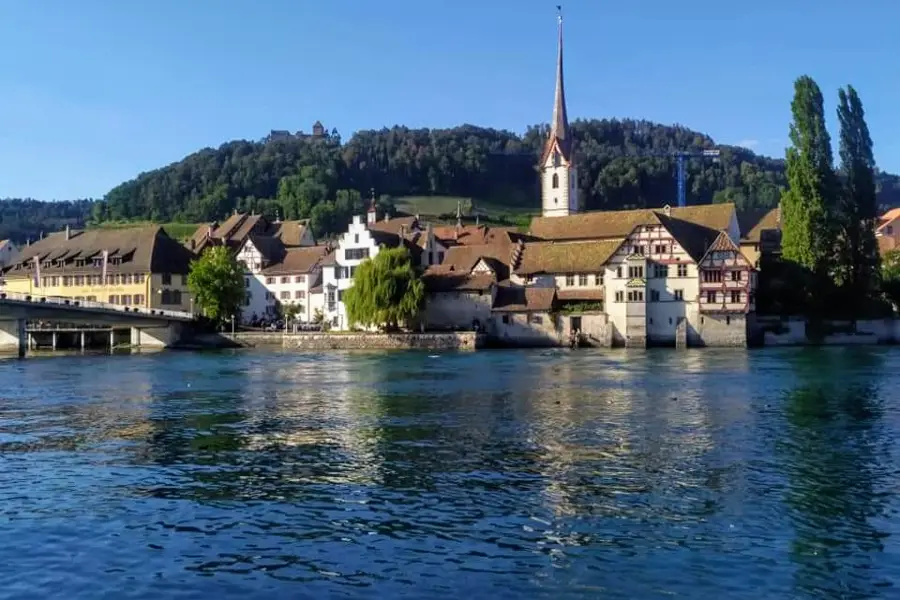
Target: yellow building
x,y
143,267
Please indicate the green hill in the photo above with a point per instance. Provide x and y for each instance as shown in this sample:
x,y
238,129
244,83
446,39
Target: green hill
x,y
327,180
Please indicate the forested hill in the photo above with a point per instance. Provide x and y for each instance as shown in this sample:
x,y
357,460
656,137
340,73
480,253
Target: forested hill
x,y
622,164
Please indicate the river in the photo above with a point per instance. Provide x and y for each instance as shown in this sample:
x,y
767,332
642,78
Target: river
x,y
493,474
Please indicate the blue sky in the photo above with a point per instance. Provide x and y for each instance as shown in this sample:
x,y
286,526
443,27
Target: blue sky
x,y
92,92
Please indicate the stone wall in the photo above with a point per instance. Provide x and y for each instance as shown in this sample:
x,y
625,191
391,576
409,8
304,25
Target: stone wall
x,y
719,331
362,341
795,331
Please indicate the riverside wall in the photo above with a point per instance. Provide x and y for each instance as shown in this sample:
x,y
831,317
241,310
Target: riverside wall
x,y
362,341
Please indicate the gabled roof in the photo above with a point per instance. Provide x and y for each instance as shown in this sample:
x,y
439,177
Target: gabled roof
x,y
394,225
580,295
289,233
524,299
620,223
464,258
437,281
753,222
301,260
724,243
565,257
141,250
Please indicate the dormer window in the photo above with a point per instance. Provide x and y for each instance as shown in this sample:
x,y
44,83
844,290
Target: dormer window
x,y
556,161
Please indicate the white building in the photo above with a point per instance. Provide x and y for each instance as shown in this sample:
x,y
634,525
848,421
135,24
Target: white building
x,y
290,282
361,241
275,276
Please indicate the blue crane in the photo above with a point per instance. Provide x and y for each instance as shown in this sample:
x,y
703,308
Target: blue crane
x,y
681,157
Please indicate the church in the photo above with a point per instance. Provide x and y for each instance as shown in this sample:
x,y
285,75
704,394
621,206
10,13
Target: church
x,y
658,276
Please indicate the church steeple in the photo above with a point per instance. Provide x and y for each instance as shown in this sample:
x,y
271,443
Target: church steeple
x,y
559,175
559,126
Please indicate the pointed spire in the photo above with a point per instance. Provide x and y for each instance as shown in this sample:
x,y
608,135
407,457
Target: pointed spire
x,y
559,124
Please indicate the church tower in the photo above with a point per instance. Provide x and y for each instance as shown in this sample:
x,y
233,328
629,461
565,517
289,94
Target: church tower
x,y
559,175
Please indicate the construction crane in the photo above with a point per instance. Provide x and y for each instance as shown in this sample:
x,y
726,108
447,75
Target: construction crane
x,y
681,157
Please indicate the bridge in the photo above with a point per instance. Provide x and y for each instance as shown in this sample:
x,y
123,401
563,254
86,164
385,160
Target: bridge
x,y
152,327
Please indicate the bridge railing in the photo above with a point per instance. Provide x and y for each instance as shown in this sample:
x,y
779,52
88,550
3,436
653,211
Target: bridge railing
x,y
71,302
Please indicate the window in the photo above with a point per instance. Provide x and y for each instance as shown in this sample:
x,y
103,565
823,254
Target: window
x,y
247,300
712,276
270,280
356,253
440,257
352,272
127,279
582,279
711,297
114,299
79,280
620,296
619,272
679,294
635,296
570,280
139,278
356,238
285,280
536,319
341,295
735,275
126,299
171,297
167,279
506,319
636,272
285,295
598,279
660,270
270,296
682,271
139,299
889,229
661,249
654,295
337,272
246,282
735,296
300,279
555,183
299,294
91,298
67,281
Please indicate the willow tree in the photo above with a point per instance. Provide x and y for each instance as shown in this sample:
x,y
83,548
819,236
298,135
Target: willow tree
x,y
858,259
386,291
809,233
217,282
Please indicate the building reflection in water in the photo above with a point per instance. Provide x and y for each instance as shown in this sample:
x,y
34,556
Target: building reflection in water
x,y
839,458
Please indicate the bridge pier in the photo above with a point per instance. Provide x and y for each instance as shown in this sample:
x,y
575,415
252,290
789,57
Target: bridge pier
x,y
13,336
156,337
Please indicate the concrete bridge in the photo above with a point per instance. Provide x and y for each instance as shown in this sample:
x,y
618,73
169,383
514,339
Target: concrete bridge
x,y
152,327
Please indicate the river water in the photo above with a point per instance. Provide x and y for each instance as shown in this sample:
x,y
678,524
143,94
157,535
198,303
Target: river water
x,y
547,474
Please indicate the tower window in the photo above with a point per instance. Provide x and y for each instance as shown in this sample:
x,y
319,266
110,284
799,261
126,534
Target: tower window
x,y
555,181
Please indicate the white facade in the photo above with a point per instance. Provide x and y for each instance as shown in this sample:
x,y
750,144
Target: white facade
x,y
258,301
294,290
559,186
354,246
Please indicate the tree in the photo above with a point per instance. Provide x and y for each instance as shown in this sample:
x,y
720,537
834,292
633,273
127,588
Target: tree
x,y
857,262
217,282
808,206
890,276
386,291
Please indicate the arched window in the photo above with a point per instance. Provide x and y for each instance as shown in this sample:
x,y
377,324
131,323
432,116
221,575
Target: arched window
x,y
555,180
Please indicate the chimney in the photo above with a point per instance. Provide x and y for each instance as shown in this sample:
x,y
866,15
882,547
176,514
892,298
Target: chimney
x,y
193,244
42,235
402,233
27,242
209,231
68,233
667,210
477,219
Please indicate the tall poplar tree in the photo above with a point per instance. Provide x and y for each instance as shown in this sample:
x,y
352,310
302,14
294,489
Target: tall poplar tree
x,y
857,260
809,205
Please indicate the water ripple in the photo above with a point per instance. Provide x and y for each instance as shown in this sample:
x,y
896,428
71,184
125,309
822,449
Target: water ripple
x,y
489,475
